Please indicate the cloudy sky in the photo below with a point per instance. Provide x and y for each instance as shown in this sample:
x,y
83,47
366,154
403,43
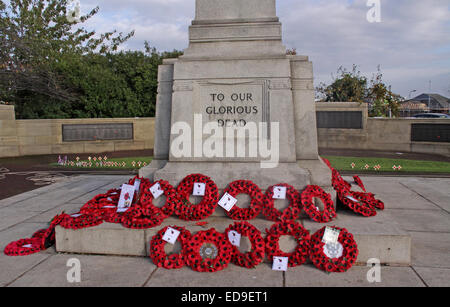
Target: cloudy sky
x,y
411,43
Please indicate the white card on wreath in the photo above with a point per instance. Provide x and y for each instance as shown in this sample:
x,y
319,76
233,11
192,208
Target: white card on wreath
x,y
279,192
280,264
76,215
28,246
331,235
353,199
227,202
199,189
171,235
137,185
126,198
156,190
234,237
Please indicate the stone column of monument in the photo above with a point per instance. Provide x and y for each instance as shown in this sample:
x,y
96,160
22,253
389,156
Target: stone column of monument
x,y
236,73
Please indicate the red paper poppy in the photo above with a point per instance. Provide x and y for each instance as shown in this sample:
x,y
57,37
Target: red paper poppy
x,y
254,257
290,228
215,248
190,212
257,198
292,212
329,212
341,264
158,254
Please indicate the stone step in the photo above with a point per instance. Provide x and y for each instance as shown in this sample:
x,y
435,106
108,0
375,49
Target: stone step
x,y
377,237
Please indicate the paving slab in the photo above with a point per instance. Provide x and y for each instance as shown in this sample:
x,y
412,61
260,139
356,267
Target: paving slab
x,y
435,190
422,220
13,216
377,237
232,276
95,271
434,277
309,276
394,194
431,249
14,267
48,215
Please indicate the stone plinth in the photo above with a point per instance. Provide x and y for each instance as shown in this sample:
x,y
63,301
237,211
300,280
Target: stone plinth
x,y
379,237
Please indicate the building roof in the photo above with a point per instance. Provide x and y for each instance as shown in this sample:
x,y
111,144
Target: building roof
x,y
433,101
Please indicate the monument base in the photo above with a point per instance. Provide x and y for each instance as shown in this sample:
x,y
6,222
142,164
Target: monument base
x,y
223,173
379,238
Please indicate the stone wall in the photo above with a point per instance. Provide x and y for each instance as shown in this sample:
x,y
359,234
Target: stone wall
x,y
41,137
378,133
38,137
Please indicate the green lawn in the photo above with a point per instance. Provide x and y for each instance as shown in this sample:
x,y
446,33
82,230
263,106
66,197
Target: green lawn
x,y
386,165
124,163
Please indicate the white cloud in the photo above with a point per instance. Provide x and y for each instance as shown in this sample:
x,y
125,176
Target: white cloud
x,y
411,43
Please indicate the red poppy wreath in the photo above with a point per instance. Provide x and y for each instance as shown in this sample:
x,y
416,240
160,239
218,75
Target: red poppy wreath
x,y
79,221
357,202
289,228
23,247
158,254
359,182
325,216
172,201
257,198
191,212
138,217
331,257
292,212
208,251
254,257
102,204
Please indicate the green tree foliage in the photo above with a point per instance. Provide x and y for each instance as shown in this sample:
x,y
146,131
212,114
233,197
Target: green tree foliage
x,y
352,86
51,67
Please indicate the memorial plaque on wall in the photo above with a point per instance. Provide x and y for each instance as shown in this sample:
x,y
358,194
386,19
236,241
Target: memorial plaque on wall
x,y
97,132
439,133
340,119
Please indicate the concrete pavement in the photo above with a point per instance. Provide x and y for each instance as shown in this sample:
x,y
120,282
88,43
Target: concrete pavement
x,y
419,205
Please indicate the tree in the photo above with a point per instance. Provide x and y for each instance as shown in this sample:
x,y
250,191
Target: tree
x,y
37,38
351,86
383,102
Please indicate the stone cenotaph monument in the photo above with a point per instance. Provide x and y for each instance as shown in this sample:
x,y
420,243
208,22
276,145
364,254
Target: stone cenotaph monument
x,y
235,105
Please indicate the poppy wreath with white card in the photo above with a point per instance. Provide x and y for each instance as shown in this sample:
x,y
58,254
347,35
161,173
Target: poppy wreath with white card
x,y
208,251
23,247
80,221
191,212
102,204
370,199
308,195
254,257
257,198
357,202
158,254
288,228
290,213
172,201
138,217
333,257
